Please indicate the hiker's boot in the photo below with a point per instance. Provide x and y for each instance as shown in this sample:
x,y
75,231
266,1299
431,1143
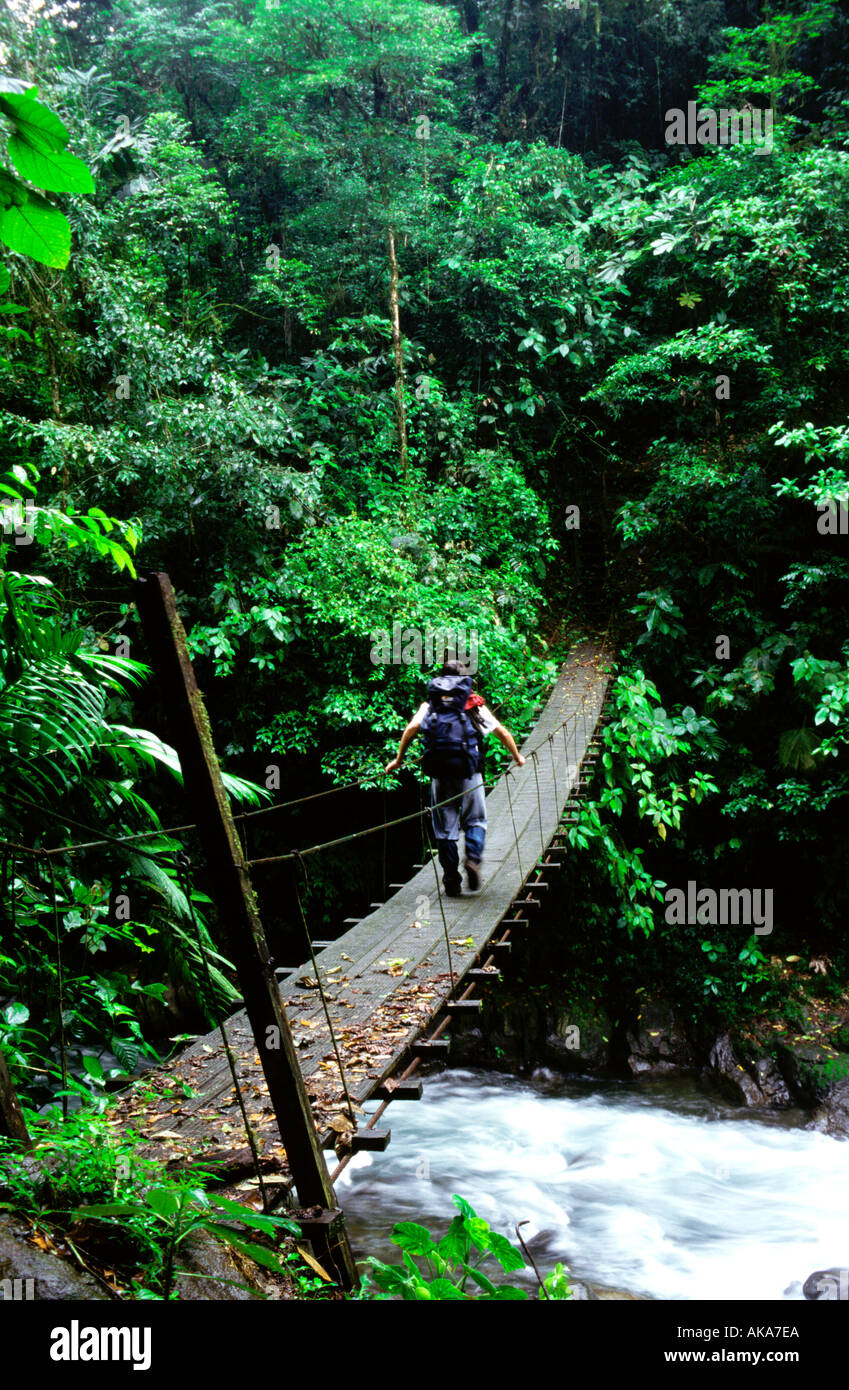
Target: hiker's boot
x,y
449,859
473,874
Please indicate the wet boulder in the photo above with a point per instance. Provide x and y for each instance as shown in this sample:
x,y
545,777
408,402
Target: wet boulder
x,y
832,1114
54,1279
757,1082
577,1044
810,1070
658,1045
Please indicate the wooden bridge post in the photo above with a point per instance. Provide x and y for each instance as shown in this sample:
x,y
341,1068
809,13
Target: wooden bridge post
x,y
239,917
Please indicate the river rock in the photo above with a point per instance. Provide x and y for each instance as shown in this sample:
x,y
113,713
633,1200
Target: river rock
x,y
213,1270
55,1280
759,1083
576,1046
827,1285
812,1072
832,1116
771,1083
660,1045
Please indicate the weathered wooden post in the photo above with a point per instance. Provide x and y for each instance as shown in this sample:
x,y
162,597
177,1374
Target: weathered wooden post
x,y
12,1123
239,917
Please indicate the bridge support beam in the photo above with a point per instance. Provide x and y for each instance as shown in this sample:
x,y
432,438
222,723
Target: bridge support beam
x,y
239,916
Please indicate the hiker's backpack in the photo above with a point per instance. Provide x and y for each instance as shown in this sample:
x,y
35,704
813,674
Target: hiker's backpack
x,y
452,746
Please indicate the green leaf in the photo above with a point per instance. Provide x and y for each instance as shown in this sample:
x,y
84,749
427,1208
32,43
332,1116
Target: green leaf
x,y
480,1279
463,1206
454,1245
34,121
164,1201
506,1254
254,1252
259,1220
105,1209
479,1232
35,228
413,1238
54,170
390,1278
444,1289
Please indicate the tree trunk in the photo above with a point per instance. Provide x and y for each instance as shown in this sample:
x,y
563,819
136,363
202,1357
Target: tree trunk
x,y
395,321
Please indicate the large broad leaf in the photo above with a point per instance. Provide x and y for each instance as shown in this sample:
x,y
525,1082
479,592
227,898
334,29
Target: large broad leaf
x,y
390,1278
36,229
444,1289
164,1201
506,1254
454,1245
12,191
413,1238
54,170
38,125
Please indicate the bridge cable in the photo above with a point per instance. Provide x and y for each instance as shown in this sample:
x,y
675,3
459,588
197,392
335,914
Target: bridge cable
x,y
513,819
184,865
434,859
554,773
342,1077
539,804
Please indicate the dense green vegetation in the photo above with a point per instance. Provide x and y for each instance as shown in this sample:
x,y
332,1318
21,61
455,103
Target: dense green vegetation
x,y
337,315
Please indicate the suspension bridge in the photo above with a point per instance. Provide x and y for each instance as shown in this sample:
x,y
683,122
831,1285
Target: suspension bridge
x,y
290,1074
367,1009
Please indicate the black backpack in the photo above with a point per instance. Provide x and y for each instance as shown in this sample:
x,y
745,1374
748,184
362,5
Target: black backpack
x,y
452,746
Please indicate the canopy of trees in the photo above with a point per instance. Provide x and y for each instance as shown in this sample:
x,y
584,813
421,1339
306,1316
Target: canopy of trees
x,y
337,313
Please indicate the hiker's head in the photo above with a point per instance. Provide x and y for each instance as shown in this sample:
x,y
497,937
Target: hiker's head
x,y
454,668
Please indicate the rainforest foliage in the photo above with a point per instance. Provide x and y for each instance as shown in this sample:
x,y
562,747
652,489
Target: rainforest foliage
x,y
365,314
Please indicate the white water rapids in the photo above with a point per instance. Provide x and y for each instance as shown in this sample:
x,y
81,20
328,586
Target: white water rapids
x,y
648,1188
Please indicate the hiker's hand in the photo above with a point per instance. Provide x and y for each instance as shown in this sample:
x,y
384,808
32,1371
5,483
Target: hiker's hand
x,y
519,760
393,766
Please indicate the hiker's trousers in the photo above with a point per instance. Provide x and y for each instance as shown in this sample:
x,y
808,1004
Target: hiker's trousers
x,y
465,810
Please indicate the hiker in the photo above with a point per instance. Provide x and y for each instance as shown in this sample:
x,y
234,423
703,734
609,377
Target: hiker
x,y
454,723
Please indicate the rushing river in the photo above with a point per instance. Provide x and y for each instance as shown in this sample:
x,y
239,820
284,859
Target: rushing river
x,y
648,1188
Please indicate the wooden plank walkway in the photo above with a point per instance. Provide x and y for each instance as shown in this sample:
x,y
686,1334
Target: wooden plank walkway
x,y
388,977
